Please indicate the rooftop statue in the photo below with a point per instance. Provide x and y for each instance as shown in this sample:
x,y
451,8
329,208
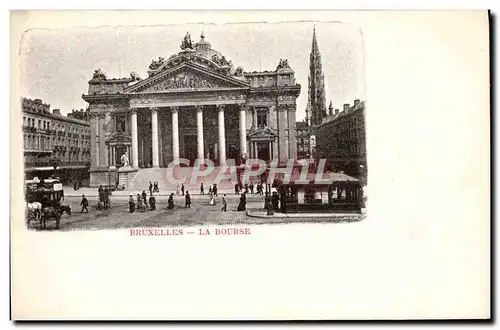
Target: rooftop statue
x,y
186,43
156,64
283,64
238,72
134,76
98,74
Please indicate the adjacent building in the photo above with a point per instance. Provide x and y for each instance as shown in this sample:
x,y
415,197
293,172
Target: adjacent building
x,y
193,105
303,140
51,139
341,140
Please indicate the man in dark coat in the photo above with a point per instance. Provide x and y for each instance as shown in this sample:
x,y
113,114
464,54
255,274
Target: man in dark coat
x,y
215,190
274,201
202,189
144,198
182,189
236,189
131,204
84,204
152,203
251,187
188,200
150,188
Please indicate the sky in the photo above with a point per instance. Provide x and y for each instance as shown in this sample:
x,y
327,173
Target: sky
x,y
56,65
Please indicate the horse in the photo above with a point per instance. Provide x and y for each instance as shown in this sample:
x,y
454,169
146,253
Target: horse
x,y
53,212
34,211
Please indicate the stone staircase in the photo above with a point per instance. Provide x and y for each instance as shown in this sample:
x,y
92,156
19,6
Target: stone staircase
x,y
161,175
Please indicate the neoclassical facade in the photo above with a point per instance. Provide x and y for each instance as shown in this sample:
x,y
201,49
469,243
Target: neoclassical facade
x,y
193,105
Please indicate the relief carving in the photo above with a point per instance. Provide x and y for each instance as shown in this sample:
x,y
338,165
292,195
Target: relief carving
x,y
182,81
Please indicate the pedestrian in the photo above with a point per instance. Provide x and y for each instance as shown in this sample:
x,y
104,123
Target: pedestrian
x,y
212,200
178,191
171,202
152,203
75,186
224,203
105,197
188,200
144,198
243,202
246,188
251,187
131,204
84,203
274,201
202,189
210,190
236,189
150,188
182,189
215,189
155,187
139,202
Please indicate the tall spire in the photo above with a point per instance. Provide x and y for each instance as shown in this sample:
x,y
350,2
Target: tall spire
x,y
314,48
316,99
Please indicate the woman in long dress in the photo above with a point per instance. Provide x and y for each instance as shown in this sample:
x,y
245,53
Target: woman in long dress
x,y
212,200
178,192
171,201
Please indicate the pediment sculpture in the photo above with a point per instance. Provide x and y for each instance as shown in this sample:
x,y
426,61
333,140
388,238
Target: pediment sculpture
x,y
186,80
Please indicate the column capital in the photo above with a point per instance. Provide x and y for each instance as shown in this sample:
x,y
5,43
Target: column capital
x,y
133,111
175,109
153,109
221,107
102,115
199,108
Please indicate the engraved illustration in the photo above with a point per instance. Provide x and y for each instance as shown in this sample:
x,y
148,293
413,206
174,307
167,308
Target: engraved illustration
x,y
197,140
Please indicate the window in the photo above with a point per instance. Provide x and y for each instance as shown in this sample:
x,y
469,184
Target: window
x,y
261,118
39,123
120,124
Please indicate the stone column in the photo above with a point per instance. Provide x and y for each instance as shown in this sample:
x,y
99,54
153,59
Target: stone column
x,y
175,134
222,136
94,143
292,139
135,147
243,131
282,126
102,141
154,136
199,130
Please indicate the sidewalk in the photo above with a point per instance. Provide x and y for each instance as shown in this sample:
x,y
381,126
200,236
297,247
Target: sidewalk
x,y
92,192
320,216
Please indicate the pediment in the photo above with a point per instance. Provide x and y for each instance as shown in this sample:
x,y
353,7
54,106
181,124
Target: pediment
x,y
262,133
186,77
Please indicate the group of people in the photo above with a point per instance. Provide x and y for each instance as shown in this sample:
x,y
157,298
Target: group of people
x,y
153,187
275,202
141,202
103,198
249,188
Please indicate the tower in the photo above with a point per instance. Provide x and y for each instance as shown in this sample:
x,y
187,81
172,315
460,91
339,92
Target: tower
x,y
316,100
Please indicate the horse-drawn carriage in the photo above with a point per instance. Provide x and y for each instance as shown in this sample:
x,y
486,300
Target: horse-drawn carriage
x,y
43,200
